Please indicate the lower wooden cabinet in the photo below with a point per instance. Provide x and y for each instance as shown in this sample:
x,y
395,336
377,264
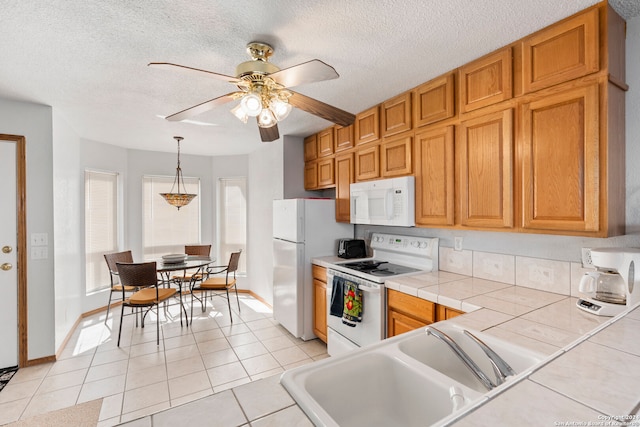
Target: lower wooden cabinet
x,y
406,313
319,301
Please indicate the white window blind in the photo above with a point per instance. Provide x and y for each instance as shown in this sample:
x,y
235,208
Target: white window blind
x,y
101,226
233,220
165,228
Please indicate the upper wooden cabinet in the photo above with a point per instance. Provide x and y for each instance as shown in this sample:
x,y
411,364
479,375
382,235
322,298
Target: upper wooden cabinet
x,y
325,142
561,52
434,163
367,125
560,161
343,138
326,177
396,156
367,163
344,178
395,116
311,148
486,81
434,101
485,149
311,175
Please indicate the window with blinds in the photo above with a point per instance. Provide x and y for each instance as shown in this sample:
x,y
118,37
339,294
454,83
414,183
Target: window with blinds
x,y
233,219
165,228
101,226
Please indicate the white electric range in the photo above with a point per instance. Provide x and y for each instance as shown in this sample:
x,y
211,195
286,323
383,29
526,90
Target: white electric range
x,y
393,256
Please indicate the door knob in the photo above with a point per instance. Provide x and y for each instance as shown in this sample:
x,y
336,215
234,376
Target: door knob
x,y
6,266
7,249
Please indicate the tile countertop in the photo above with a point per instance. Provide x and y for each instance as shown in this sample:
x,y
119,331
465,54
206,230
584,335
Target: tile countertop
x,y
592,373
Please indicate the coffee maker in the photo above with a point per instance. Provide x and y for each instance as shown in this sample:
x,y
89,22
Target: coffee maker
x,y
612,287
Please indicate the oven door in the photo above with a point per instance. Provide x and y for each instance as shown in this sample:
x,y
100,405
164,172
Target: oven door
x,y
342,338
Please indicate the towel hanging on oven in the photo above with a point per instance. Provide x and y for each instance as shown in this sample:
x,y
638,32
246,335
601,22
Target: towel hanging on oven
x,y
337,296
353,303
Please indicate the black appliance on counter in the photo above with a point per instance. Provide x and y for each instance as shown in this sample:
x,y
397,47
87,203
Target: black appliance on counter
x,y
352,248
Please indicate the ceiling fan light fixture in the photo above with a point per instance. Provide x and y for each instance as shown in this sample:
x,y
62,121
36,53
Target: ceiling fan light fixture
x,y
251,104
280,109
266,119
240,113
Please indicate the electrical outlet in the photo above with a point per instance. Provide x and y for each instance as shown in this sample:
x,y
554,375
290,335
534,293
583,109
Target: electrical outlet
x,y
457,243
586,258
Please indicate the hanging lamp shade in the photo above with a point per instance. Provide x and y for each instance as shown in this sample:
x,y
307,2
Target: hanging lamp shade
x,y
180,198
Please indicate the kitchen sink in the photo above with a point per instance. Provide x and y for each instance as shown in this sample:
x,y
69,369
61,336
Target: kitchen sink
x,y
374,388
434,353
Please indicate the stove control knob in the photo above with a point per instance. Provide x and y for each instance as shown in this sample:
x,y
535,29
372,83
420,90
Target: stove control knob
x,y
415,244
423,245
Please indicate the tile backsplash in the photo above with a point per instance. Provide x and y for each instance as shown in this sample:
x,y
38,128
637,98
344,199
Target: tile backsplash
x,y
561,277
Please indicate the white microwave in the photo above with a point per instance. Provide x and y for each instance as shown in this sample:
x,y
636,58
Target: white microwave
x,y
384,202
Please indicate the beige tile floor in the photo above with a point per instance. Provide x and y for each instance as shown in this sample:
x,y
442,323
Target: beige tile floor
x,y
140,378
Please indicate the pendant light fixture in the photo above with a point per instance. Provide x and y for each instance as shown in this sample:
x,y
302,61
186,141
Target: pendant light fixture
x,y
178,199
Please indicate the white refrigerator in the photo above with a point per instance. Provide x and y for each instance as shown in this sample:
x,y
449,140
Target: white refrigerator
x,y
303,229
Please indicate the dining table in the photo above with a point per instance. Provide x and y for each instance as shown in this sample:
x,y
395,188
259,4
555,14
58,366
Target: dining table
x,y
168,269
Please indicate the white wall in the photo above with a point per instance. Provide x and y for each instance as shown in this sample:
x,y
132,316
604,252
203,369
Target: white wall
x,y
34,122
558,247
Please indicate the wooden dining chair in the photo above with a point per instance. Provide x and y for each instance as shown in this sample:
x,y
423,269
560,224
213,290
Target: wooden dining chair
x,y
112,260
218,283
143,276
193,250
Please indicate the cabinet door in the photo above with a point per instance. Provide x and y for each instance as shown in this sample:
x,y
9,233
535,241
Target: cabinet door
x,y
367,125
399,323
368,163
320,309
344,178
486,177
325,173
562,52
434,101
445,313
560,161
395,116
486,81
311,147
311,175
396,157
325,142
435,176
344,138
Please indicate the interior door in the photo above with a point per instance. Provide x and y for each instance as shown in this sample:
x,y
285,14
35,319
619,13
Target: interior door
x,y
8,256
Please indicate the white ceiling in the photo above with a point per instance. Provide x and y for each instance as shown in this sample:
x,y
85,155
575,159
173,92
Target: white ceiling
x,y
88,59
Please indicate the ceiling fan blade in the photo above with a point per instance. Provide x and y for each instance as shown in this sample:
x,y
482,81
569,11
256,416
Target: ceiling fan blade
x,y
269,134
201,108
170,66
307,72
320,109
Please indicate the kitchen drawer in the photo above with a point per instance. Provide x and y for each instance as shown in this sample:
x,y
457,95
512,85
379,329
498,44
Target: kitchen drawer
x,y
319,273
422,309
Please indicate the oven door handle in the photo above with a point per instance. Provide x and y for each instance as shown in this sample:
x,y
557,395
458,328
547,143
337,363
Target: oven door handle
x,y
370,290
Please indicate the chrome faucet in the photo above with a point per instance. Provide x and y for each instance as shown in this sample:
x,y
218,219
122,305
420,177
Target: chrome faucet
x,y
463,356
500,367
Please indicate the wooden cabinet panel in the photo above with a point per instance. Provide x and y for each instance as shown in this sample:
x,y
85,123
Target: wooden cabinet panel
x,y
560,161
325,142
344,178
395,115
486,81
434,101
320,309
325,173
396,157
311,175
311,147
486,177
561,52
343,138
435,174
367,125
367,163
445,313
319,301
406,312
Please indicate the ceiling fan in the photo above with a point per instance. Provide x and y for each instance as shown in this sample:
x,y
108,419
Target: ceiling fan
x,y
264,91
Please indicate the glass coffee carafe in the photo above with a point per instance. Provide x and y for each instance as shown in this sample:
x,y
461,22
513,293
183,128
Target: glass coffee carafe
x,y
604,286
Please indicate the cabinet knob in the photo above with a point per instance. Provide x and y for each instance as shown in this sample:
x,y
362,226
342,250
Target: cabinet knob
x,y
7,249
6,266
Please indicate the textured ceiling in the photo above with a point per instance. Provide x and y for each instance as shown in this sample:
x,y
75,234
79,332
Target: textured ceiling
x,y
88,59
